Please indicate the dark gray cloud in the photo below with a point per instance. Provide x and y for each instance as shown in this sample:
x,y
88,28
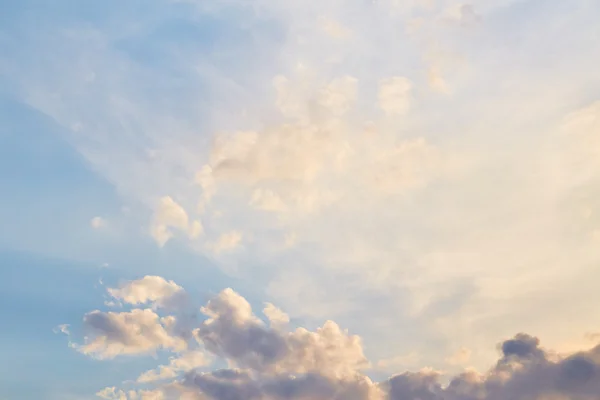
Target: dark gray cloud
x,y
524,372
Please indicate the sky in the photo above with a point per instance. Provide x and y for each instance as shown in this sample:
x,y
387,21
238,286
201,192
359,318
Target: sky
x,y
307,200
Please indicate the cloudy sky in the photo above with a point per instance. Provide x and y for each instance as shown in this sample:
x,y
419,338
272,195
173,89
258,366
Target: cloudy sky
x,y
309,200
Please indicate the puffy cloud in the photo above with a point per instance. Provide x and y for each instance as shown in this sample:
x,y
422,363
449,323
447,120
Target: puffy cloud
x,y
521,347
111,334
235,384
525,371
149,289
234,332
275,315
266,362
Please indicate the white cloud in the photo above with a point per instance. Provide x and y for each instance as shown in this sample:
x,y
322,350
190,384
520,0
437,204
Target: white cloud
x,y
275,315
111,334
97,222
149,289
267,200
63,328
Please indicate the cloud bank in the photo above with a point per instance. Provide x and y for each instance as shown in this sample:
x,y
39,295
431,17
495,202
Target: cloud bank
x,y
265,361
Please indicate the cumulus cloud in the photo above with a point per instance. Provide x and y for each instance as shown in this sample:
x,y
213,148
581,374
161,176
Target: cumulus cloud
x,y
266,362
110,334
234,332
149,289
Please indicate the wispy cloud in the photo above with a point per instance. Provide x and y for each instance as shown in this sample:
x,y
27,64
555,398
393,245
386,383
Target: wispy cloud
x,y
424,172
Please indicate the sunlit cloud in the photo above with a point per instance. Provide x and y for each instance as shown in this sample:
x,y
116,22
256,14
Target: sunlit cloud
x,y
425,173
270,362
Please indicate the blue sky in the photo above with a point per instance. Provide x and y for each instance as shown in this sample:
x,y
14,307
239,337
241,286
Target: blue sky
x,y
423,173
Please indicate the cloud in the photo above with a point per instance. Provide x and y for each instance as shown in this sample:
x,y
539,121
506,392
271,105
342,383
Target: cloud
x,y
226,242
436,81
395,95
461,216
63,328
168,215
196,230
524,372
231,384
328,363
234,332
111,334
339,95
97,222
463,14
112,393
186,362
275,315
149,289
